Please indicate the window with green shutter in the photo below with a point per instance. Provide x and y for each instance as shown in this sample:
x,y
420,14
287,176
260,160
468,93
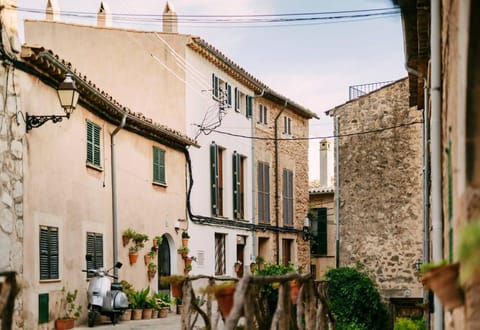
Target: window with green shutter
x,y
236,163
287,183
48,253
318,229
248,106
93,144
216,179
215,86
263,187
159,166
95,249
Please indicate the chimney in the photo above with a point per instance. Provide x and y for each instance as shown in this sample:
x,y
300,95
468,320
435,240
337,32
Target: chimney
x,y
52,11
324,150
170,20
104,15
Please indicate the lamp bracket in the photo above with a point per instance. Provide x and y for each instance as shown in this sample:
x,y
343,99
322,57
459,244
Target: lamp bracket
x,y
37,121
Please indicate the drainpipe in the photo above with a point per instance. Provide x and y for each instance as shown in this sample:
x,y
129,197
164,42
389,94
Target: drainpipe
x,y
337,195
426,176
114,195
436,148
277,195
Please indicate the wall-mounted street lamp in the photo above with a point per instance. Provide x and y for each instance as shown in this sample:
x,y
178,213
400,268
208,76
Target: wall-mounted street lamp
x,y
306,229
68,96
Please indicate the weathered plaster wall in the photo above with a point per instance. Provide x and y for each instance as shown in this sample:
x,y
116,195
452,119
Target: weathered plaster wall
x,y
381,188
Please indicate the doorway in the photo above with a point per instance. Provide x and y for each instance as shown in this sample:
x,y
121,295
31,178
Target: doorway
x,y
164,264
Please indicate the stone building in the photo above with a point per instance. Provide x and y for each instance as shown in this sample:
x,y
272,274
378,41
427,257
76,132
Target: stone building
x,y
380,189
442,49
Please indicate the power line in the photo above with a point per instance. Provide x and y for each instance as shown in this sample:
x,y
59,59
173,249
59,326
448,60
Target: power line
x,y
379,130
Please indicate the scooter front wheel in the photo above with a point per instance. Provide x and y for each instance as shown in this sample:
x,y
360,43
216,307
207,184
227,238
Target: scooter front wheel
x,y
92,316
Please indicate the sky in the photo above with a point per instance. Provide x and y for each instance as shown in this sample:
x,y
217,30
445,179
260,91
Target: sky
x,y
310,62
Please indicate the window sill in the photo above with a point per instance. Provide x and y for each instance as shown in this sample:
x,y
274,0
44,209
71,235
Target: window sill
x,y
55,280
158,184
94,167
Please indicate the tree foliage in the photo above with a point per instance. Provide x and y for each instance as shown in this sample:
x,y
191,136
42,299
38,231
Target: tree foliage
x,y
354,300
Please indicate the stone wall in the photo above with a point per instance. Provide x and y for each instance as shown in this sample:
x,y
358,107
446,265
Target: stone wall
x,y
293,155
380,195
11,178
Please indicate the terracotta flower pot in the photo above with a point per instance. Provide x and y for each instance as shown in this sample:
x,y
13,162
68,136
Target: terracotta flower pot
x,y
443,281
125,240
188,261
127,315
224,298
151,274
294,288
62,324
137,314
147,313
133,258
176,290
147,258
163,312
184,241
155,314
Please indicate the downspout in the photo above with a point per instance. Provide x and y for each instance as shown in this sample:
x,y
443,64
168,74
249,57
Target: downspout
x,y
277,195
337,195
114,194
426,188
436,148
254,233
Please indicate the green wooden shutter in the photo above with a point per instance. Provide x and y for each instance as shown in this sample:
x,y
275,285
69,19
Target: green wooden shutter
x,y
89,142
260,192
95,249
229,93
42,308
96,145
284,197
249,106
214,177
236,184
158,165
322,231
48,253
266,182
215,85
93,144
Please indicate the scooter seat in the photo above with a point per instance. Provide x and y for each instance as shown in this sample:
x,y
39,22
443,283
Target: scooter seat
x,y
116,286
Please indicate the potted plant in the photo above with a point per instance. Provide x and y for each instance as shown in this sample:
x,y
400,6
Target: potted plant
x,y
71,310
148,308
178,302
185,238
184,251
176,283
469,253
133,254
127,235
224,293
129,290
157,241
237,266
152,270
442,278
139,302
148,257
140,239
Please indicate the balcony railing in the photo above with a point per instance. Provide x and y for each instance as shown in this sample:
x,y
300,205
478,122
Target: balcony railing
x,y
356,91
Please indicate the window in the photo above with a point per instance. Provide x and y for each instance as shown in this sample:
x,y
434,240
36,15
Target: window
x,y
238,100
262,114
287,125
95,249
219,254
215,87
263,182
238,163
48,253
216,179
93,144
159,166
287,251
248,106
228,94
318,228
287,180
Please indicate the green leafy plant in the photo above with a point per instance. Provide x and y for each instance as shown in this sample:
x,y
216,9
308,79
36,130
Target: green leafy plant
x,y
140,298
405,323
68,304
152,253
129,232
183,250
152,266
133,249
432,265
355,300
469,250
158,239
129,291
185,234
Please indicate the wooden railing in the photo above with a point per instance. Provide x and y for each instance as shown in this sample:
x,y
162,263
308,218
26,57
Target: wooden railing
x,y
308,312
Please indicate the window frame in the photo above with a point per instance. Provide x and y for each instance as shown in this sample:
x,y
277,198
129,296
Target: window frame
x,y
262,114
51,252
248,106
220,254
93,145
238,186
319,231
287,125
263,191
287,197
159,176
216,179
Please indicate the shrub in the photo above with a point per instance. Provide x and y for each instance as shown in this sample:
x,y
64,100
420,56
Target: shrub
x,y
405,323
354,300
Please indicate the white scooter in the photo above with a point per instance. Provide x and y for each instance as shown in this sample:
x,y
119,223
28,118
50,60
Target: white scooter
x,y
104,297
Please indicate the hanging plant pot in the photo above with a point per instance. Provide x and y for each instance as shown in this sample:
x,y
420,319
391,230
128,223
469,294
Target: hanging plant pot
x,y
176,290
188,262
147,258
132,257
294,288
184,241
443,281
151,274
224,296
125,240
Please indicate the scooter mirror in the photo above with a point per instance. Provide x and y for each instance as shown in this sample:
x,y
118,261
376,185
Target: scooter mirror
x,y
88,257
118,265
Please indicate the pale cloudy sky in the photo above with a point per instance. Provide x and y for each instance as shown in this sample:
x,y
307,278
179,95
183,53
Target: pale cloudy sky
x,y
311,64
